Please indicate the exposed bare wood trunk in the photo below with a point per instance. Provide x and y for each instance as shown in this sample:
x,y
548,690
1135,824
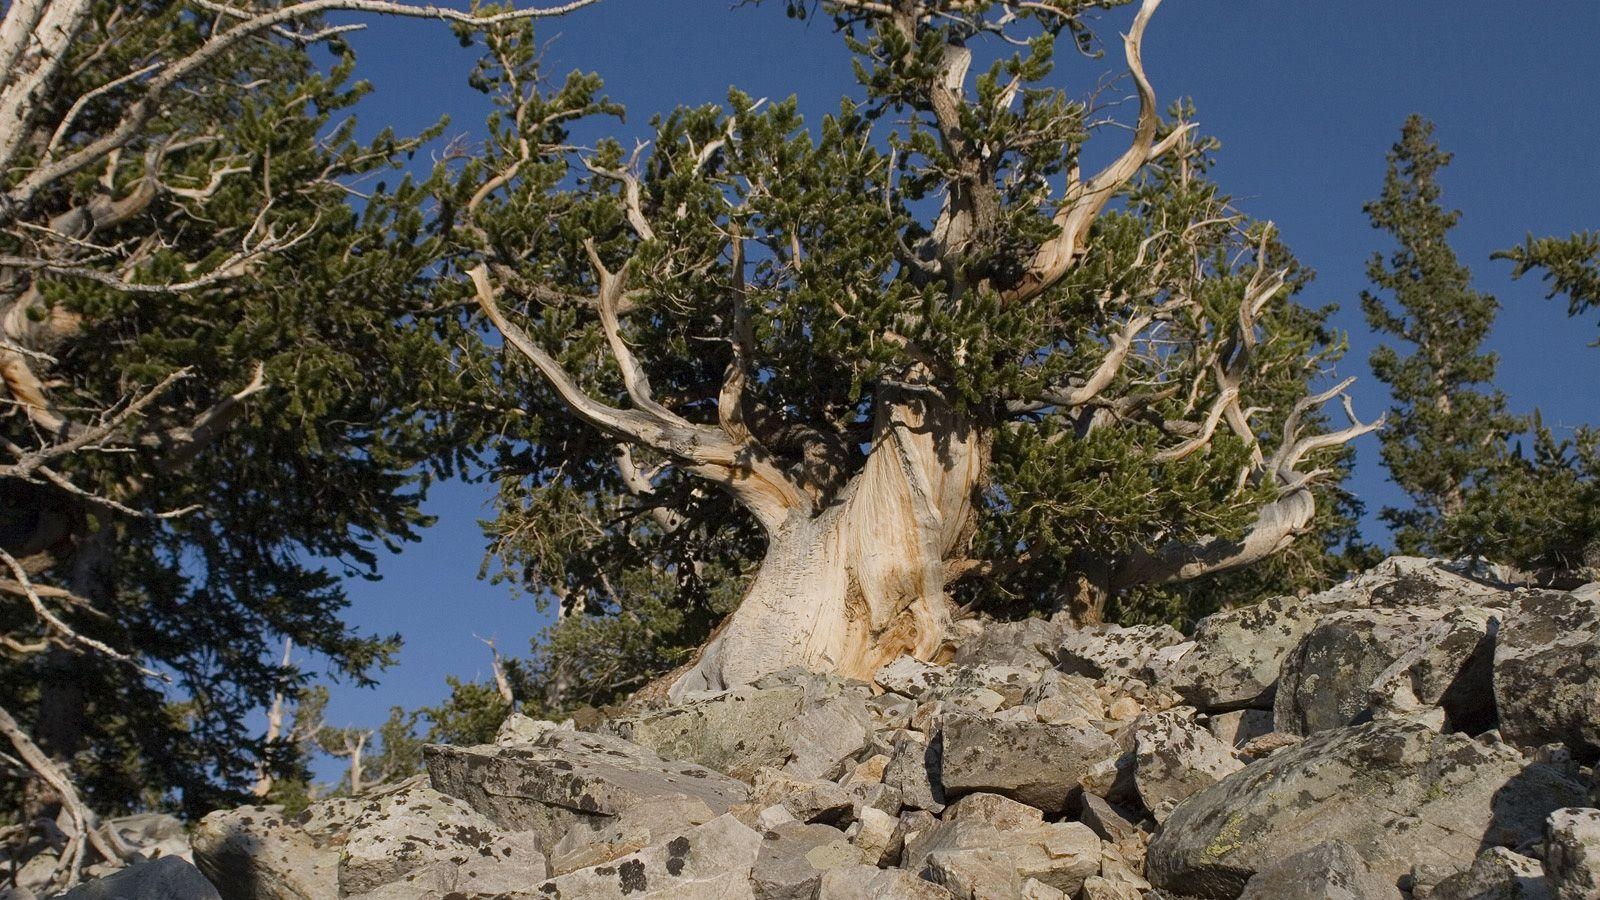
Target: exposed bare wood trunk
x,y
863,581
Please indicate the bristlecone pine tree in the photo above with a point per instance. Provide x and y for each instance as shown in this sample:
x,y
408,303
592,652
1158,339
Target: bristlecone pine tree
x,y
215,377
833,379
1449,428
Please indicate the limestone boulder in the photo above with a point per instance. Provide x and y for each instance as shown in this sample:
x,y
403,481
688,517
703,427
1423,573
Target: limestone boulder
x,y
1034,762
1174,757
987,840
1396,792
574,789
799,722
1025,643
1238,653
794,857
1447,677
256,853
1331,870
1546,667
1572,853
1325,681
1497,874
863,882
712,861
164,878
428,844
1114,651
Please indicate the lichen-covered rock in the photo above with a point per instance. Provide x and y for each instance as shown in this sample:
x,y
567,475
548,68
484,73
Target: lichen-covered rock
x,y
1328,871
1175,757
1546,667
1497,874
255,853
961,683
1451,670
432,844
913,770
1326,679
152,835
1396,792
1572,853
799,722
1237,655
909,676
993,835
1098,888
708,862
872,883
1034,762
1114,651
1058,698
166,878
793,858
1240,726
1026,644
568,783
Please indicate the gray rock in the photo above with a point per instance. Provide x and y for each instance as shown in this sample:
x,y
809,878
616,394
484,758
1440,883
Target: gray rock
x,y
1026,643
1241,726
963,682
1175,757
1058,698
1396,792
1114,652
1451,669
1034,762
254,853
1546,666
1097,888
801,723
909,677
1497,874
914,771
153,835
521,729
1572,853
999,844
794,857
871,883
1110,823
432,843
1238,653
1326,679
166,878
709,862
567,783
1328,871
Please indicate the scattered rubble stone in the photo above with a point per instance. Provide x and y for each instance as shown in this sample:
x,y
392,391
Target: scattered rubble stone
x,y
1416,733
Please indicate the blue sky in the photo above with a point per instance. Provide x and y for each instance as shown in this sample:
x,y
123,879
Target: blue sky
x,y
1305,96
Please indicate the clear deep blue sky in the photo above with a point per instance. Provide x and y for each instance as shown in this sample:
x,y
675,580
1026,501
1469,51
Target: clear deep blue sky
x,y
1305,96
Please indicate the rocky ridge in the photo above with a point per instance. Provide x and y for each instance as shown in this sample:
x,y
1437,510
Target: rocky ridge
x,y
1412,733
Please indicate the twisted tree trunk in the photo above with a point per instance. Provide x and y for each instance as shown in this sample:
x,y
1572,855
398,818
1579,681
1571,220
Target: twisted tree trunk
x,y
862,581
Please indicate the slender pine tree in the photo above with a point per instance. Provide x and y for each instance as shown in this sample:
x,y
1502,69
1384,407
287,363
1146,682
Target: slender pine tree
x,y
1448,427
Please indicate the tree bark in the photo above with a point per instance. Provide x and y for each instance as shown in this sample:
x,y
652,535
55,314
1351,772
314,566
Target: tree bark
x,y
862,581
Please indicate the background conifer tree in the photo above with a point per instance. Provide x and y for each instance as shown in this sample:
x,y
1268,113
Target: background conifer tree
x,y
1448,429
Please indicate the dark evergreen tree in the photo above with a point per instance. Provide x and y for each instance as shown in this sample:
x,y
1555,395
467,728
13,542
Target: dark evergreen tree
x,y
224,390
1570,265
1448,429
